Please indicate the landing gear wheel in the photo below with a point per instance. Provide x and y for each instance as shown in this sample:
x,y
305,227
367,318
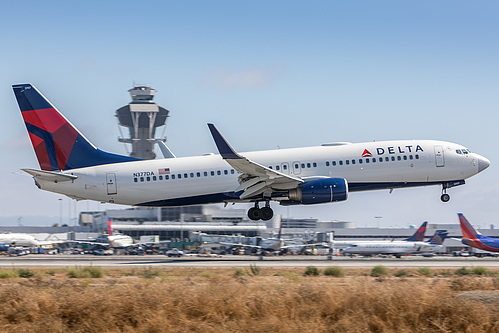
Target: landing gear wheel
x,y
266,213
445,197
254,213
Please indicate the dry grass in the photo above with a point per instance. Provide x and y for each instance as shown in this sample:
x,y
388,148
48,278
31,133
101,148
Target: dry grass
x,y
190,300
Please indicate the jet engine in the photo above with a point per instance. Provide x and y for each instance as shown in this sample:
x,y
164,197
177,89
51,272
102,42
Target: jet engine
x,y
320,191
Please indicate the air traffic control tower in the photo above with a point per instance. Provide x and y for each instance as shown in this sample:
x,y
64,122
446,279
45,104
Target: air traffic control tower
x,y
142,116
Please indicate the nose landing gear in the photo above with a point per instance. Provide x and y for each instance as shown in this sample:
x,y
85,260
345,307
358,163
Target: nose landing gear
x,y
256,213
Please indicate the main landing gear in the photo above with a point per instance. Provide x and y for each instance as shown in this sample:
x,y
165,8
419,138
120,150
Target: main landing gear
x,y
256,213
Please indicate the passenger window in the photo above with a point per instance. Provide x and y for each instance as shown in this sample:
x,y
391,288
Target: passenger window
x,y
360,161
270,166
226,172
154,178
148,179
399,158
141,179
192,175
341,162
327,163
232,171
367,160
179,176
410,157
314,165
334,163
374,159
393,158
277,167
160,177
198,174
285,167
303,165
381,159
405,157
387,159
417,157
219,172
212,173
167,177
308,165
353,161
135,180
347,162
173,176
205,173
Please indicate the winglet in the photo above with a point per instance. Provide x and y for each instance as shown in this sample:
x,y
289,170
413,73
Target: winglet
x,y
222,145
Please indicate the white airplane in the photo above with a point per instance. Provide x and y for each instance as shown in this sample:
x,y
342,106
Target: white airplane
x,y
111,240
73,166
19,239
418,236
399,248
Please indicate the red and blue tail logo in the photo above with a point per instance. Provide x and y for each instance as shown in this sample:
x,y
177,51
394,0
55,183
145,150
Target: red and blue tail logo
x,y
419,234
57,143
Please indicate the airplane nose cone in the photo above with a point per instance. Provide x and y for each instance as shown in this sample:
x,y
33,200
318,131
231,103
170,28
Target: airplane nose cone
x,y
483,163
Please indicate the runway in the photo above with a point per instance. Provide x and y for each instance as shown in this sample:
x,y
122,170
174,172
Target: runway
x,y
160,261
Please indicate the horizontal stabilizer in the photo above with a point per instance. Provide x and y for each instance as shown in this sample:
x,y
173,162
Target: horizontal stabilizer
x,y
50,175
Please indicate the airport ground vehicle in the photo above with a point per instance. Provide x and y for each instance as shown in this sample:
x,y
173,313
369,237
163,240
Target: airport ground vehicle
x,y
174,253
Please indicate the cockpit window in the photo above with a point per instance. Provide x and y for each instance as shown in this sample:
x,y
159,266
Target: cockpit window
x,y
458,151
465,151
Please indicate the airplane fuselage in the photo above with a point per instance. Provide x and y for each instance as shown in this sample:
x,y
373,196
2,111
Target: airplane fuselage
x,y
392,248
210,179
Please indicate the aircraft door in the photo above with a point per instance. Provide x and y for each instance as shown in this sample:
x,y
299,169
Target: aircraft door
x,y
285,168
111,183
439,156
296,168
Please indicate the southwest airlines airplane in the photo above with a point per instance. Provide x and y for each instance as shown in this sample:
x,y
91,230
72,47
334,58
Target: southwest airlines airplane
x,y
73,166
473,238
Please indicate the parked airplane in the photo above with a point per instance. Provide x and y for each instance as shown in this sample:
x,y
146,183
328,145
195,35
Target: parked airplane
x,y
418,236
111,240
473,238
20,239
399,248
73,166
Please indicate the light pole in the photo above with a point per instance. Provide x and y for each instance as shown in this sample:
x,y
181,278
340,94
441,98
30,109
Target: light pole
x,y
60,212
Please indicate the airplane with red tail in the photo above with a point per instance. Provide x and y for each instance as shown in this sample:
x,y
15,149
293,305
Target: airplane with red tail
x,y
475,239
71,165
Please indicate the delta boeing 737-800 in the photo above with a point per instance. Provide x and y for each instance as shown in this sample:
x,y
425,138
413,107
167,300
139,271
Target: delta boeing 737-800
x,y
73,166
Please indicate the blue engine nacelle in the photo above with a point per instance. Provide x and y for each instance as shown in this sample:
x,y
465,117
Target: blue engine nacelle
x,y
320,191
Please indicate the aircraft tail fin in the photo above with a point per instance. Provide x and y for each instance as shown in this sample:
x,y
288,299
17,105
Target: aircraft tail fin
x,y
439,237
109,228
57,143
467,229
419,234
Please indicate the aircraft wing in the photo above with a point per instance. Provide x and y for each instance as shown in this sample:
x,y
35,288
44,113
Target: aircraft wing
x,y
302,245
255,178
240,245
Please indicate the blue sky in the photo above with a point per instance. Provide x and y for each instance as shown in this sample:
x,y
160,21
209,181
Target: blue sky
x,y
267,73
